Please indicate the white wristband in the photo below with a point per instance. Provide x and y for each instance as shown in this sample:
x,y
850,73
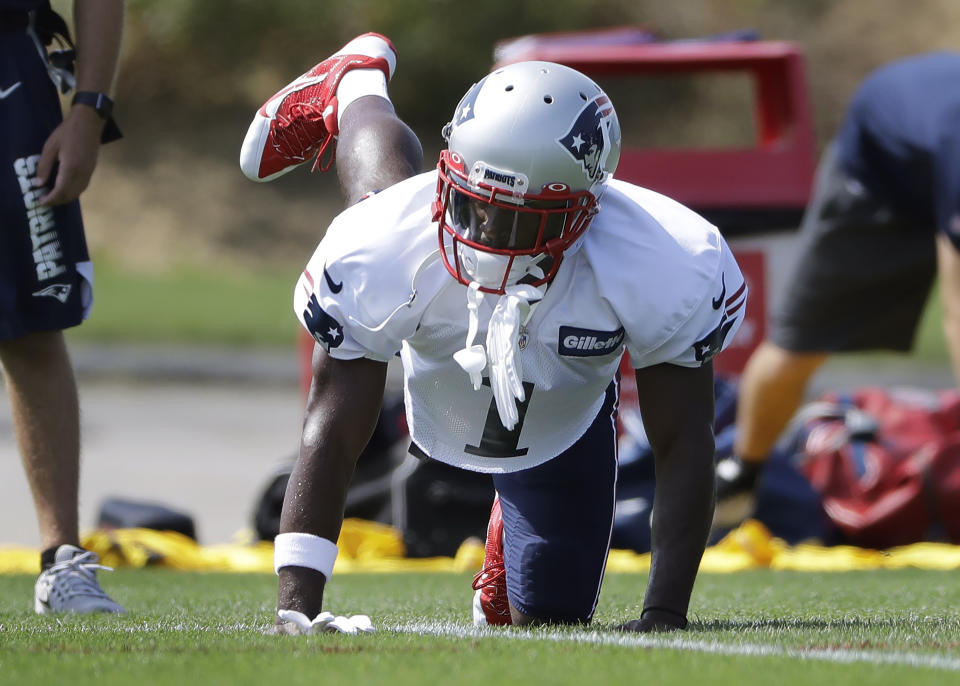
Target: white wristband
x,y
304,550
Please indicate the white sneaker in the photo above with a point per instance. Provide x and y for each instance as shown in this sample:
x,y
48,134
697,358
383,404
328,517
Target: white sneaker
x,y
70,585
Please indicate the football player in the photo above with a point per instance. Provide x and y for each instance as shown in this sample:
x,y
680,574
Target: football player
x,y
47,158
883,221
510,280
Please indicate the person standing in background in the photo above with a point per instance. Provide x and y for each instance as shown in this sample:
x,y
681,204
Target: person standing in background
x,y
46,277
883,221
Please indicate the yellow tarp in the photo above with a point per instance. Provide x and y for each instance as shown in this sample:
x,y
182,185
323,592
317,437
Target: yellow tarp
x,y
371,547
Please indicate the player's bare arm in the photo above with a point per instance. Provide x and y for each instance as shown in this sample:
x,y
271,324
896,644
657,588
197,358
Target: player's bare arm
x,y
342,408
677,408
73,147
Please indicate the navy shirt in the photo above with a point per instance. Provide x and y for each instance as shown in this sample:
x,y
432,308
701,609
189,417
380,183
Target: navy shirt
x,y
901,137
24,5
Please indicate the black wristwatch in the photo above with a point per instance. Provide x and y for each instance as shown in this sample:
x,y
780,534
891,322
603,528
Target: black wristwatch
x,y
100,102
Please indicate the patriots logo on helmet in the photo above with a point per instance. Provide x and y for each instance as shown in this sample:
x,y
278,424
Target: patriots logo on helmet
x,y
464,111
327,331
588,140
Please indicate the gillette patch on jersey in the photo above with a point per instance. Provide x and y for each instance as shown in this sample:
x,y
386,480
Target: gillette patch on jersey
x,y
576,342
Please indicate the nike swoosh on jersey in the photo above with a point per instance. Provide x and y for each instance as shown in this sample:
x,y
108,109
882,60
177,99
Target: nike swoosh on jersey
x,y
334,287
270,107
717,302
7,91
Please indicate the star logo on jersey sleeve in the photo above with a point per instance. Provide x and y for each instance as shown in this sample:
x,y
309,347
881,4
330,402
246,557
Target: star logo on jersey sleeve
x,y
707,347
710,345
327,331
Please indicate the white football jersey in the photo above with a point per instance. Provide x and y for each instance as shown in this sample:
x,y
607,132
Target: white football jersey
x,y
650,276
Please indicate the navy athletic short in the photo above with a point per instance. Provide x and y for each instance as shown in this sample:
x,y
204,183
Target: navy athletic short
x,y
45,271
863,274
557,524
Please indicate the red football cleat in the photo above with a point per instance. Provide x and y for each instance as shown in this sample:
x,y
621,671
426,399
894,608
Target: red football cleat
x,y
300,121
490,604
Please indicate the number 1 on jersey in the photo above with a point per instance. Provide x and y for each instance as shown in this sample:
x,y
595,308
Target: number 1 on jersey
x,y
497,441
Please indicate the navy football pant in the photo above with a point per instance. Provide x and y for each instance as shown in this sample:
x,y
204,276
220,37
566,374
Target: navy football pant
x,y
557,524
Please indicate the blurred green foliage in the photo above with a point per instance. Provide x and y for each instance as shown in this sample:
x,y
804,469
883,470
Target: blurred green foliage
x,y
220,45
191,62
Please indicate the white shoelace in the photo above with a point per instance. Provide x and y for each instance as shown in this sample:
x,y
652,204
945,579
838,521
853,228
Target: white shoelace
x,y
77,576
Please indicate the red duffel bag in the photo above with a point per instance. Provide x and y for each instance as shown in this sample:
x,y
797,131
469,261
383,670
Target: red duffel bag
x,y
886,463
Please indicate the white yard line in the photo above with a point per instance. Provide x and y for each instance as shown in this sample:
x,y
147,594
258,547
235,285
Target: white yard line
x,y
454,630
839,655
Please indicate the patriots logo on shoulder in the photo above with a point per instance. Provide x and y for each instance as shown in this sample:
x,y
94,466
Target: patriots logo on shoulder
x,y
60,291
588,140
326,330
707,347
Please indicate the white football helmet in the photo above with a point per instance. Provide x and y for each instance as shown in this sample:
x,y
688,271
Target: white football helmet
x,y
529,150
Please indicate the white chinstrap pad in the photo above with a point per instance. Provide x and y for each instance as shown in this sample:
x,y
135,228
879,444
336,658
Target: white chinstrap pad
x,y
304,550
502,355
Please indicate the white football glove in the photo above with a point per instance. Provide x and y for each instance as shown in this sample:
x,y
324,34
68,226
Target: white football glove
x,y
326,622
503,350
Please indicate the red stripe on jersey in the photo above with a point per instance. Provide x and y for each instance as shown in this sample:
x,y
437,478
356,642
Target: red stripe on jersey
x,y
736,295
731,310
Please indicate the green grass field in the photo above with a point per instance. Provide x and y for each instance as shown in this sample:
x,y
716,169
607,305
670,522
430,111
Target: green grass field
x,y
191,304
880,627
